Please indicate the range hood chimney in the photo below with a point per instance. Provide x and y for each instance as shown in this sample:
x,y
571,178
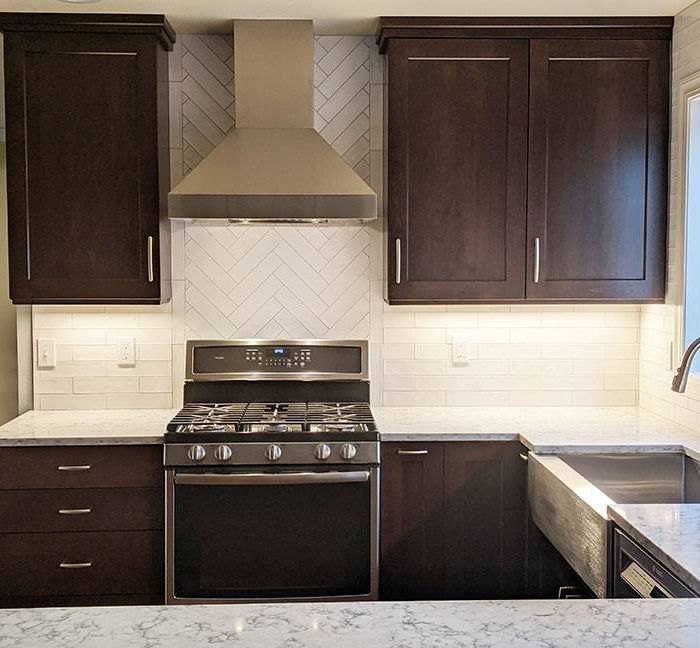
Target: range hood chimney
x,y
273,166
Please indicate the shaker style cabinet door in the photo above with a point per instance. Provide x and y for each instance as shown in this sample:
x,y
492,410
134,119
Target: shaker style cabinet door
x,y
456,169
411,527
84,143
597,169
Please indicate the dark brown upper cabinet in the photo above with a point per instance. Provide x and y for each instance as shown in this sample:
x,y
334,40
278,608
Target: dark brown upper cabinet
x,y
597,179
526,159
87,157
457,166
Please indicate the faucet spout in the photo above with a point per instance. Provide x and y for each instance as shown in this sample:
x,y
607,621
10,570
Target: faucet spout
x,y
680,379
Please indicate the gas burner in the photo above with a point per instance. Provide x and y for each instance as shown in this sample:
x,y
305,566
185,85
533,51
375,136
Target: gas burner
x,y
209,417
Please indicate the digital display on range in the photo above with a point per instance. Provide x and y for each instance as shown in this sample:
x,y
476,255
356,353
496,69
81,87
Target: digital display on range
x,y
278,352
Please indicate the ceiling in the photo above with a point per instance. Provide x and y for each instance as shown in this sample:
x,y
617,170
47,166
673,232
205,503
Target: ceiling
x,y
346,16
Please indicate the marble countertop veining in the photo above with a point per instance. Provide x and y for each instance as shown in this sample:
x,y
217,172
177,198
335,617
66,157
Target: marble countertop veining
x,y
86,427
542,429
517,624
669,532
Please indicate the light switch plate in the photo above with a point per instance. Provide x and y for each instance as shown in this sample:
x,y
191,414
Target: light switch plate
x,y
126,352
46,353
460,350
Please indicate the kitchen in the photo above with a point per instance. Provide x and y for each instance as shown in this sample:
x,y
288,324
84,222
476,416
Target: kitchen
x,y
415,287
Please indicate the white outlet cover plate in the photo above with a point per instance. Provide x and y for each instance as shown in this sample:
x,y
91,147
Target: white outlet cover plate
x,y
126,351
460,350
46,353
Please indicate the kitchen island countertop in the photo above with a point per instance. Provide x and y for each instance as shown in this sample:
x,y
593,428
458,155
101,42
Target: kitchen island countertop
x,y
647,623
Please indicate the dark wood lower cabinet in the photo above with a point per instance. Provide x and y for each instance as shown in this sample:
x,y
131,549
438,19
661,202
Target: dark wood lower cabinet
x,y
412,519
81,526
455,525
484,508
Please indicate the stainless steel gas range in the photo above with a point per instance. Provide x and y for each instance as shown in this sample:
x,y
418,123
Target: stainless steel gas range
x,y
272,474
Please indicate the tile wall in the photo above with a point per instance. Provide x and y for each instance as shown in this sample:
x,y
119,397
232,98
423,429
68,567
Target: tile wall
x,y
233,281
658,323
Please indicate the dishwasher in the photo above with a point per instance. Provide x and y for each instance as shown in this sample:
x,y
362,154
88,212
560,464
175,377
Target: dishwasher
x,y
637,574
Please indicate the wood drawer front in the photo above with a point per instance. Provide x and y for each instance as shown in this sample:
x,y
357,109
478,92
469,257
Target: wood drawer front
x,y
122,562
97,509
81,467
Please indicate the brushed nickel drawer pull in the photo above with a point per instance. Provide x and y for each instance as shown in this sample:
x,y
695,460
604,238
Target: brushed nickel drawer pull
x,y
74,511
75,468
412,452
523,456
536,278
85,565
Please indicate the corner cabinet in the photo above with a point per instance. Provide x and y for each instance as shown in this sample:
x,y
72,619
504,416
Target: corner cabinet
x,y
87,157
526,159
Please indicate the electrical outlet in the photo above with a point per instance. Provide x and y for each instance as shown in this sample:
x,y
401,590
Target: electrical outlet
x,y
46,353
126,354
460,351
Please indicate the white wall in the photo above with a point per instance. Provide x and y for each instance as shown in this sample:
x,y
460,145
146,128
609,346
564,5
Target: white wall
x,y
326,281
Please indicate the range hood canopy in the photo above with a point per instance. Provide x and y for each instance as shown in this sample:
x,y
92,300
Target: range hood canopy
x,y
273,166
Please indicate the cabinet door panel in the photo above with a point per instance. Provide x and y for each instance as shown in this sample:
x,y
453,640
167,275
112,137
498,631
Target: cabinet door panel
x,y
597,169
411,562
456,162
83,161
485,521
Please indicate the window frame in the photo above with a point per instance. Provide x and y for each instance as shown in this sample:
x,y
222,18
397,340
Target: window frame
x,y
688,91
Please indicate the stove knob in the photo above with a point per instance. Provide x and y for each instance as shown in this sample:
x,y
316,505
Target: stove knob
x,y
348,451
223,453
273,452
322,451
196,453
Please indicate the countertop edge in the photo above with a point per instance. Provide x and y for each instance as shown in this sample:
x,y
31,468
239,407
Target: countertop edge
x,y
665,558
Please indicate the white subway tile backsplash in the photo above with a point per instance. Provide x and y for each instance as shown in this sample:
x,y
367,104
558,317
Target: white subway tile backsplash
x,y
105,385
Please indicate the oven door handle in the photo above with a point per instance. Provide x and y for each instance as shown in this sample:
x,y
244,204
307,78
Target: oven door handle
x,y
270,479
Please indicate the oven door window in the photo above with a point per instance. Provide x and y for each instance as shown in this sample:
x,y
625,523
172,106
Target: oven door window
x,y
286,540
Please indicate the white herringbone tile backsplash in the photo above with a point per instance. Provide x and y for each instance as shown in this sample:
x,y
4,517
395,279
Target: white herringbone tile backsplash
x,y
282,280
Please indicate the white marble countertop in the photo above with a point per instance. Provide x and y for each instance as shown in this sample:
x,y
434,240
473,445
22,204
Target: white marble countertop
x,y
561,624
669,532
86,427
542,429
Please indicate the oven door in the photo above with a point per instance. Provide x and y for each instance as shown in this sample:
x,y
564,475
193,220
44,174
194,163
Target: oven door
x,y
272,536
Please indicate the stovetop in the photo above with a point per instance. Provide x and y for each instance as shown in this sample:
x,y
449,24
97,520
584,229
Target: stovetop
x,y
289,421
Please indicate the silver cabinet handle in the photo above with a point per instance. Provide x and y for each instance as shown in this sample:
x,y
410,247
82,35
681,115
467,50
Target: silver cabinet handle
x,y
523,456
536,278
149,245
65,565
412,452
75,468
398,260
270,479
74,511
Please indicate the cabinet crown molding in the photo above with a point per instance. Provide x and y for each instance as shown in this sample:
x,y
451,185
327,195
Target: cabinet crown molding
x,y
640,27
156,24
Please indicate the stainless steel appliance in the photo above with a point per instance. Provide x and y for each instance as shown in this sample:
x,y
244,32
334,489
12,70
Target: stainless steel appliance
x,y
637,574
272,474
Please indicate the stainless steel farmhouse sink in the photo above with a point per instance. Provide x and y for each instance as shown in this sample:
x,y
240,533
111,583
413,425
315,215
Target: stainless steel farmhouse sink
x,y
570,494
641,478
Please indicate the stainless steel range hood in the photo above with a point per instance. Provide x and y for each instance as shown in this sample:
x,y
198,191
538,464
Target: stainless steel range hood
x,y
273,166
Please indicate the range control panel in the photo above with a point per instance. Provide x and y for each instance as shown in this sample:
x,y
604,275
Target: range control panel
x,y
247,359
280,357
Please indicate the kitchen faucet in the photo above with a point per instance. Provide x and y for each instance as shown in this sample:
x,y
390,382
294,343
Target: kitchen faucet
x,y
680,379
